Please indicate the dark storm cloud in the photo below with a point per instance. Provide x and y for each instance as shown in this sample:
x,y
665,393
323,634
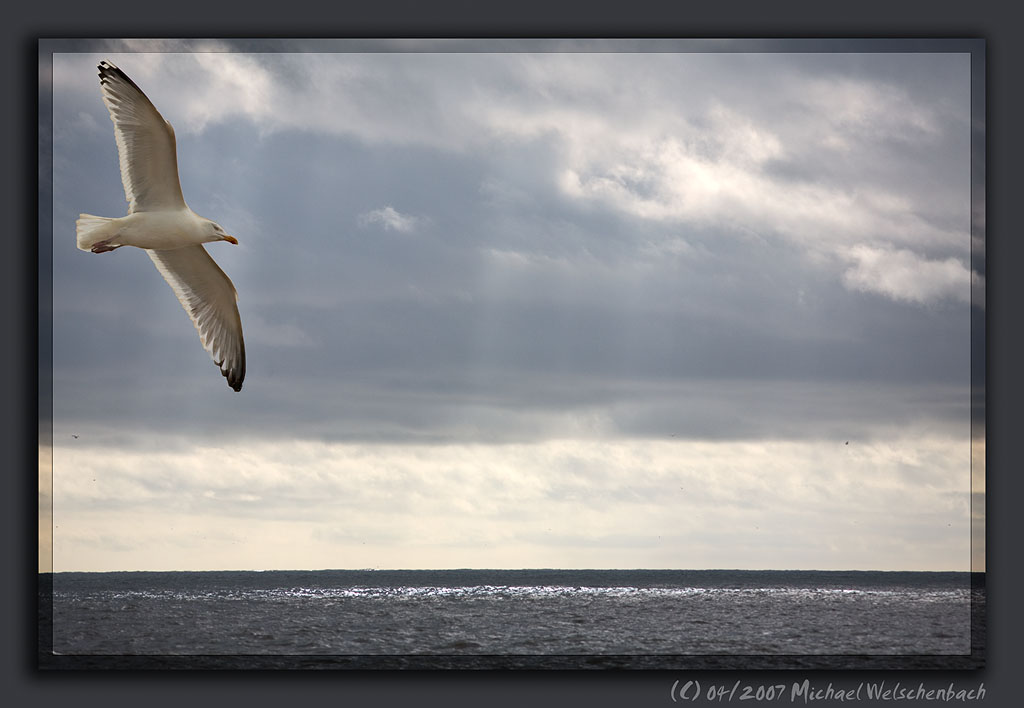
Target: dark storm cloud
x,y
510,308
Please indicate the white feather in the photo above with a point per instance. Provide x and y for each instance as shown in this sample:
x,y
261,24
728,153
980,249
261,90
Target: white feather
x,y
209,298
145,144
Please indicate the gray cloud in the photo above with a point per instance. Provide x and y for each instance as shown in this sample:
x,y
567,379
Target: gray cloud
x,y
499,290
504,249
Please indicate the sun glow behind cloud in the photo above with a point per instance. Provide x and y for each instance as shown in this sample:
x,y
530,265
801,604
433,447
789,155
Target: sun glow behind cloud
x,y
623,503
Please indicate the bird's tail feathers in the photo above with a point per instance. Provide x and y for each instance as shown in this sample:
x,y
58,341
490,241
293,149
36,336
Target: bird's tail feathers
x,y
92,229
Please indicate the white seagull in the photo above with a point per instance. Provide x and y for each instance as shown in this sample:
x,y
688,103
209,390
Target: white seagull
x,y
161,223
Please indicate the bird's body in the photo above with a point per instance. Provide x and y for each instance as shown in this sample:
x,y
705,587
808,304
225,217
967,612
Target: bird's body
x,y
159,230
160,222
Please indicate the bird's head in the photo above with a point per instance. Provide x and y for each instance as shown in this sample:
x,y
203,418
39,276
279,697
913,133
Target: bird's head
x,y
219,235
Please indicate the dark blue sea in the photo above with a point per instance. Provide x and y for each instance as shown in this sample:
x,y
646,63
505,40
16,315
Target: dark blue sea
x,y
513,618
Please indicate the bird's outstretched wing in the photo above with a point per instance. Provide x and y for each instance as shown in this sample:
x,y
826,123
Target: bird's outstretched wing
x,y
145,144
210,300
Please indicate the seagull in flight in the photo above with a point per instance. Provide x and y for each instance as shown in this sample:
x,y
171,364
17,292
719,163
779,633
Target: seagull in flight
x,y
160,222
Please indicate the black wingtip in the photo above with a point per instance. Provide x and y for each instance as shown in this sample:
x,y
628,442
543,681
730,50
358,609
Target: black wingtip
x,y
106,69
234,379
109,70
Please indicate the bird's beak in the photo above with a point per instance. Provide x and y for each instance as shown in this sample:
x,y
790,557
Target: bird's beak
x,y
230,239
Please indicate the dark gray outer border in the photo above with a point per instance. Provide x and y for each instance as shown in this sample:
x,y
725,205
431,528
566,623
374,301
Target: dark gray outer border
x,y
869,18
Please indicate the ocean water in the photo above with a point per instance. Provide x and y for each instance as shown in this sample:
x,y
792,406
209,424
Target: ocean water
x,y
578,616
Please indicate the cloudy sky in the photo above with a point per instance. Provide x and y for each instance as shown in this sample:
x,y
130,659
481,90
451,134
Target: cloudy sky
x,y
576,308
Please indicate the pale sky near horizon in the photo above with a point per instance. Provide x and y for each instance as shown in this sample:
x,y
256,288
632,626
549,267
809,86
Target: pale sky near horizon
x,y
506,309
